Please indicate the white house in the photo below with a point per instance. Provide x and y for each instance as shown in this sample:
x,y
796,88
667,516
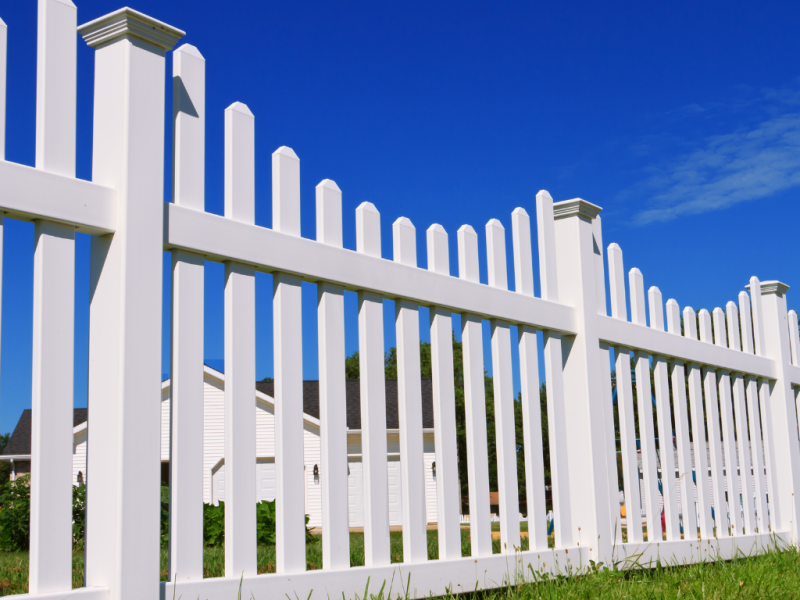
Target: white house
x,y
18,449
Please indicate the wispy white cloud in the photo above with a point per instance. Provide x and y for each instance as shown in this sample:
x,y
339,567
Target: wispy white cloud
x,y
750,163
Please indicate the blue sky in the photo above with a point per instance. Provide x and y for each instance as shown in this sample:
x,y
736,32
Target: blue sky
x,y
682,120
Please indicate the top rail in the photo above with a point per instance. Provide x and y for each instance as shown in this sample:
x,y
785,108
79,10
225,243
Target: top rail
x,y
222,239
28,194
631,335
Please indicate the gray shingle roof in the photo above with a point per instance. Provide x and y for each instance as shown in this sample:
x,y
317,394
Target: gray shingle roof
x,y
353,395
20,442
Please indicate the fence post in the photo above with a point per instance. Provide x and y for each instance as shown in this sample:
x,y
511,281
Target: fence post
x,y
122,528
782,403
583,394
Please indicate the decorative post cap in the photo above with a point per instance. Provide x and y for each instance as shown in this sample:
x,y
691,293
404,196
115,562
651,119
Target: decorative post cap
x,y
128,23
772,287
577,206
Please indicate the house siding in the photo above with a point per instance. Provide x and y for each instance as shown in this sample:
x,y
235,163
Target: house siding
x,y
214,447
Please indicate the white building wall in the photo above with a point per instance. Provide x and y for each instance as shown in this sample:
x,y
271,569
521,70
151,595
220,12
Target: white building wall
x,y
311,453
214,448
79,456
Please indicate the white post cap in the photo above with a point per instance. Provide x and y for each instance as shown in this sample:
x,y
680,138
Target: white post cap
x,y
127,23
772,287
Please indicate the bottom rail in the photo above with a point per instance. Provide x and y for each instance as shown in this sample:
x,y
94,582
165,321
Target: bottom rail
x,y
90,593
418,580
684,552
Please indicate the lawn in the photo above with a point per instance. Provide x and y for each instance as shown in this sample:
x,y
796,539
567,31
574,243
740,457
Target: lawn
x,y
773,575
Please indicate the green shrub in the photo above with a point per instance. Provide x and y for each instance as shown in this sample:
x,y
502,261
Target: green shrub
x,y
164,516
214,524
15,514
78,515
15,511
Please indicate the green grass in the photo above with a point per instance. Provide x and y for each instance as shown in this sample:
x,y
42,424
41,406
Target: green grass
x,y
773,575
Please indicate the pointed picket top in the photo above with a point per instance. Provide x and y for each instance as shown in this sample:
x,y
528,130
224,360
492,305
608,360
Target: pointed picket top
x,y
286,191
546,228
673,317
328,184
523,258
240,107
758,315
368,230
720,328
706,334
636,283
747,323
285,151
3,23
794,339
189,50
732,316
404,242
616,280
438,251
468,259
656,308
496,254
189,127
240,163
65,3
689,323
329,213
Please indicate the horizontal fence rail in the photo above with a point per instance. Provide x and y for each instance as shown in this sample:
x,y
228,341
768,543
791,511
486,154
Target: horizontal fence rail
x,y
673,433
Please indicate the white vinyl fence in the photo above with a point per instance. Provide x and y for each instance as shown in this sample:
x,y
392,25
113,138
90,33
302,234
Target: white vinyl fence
x,y
741,364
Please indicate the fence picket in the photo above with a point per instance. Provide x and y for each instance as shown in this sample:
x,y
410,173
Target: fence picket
x,y
288,357
794,338
666,454
740,412
627,427
409,405
53,309
529,377
644,398
240,351
714,439
475,404
681,415
764,404
503,396
3,67
373,399
186,381
699,439
554,377
726,416
448,488
332,392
